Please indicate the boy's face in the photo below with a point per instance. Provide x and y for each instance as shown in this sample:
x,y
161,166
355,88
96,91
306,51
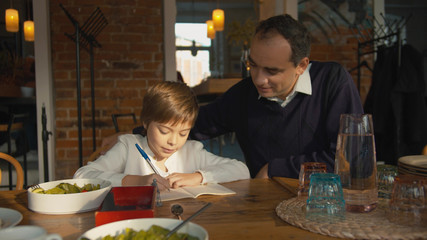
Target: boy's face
x,y
164,139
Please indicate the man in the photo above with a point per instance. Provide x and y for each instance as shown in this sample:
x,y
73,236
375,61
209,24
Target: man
x,y
288,111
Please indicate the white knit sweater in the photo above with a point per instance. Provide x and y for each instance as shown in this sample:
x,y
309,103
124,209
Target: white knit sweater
x,y
124,159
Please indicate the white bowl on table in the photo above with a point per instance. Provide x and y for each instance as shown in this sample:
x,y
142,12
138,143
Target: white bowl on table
x,y
68,203
138,224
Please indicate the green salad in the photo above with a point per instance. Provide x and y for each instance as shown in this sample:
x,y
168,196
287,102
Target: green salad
x,y
153,233
67,188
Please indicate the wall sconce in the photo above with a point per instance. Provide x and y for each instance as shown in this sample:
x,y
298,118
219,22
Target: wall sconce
x,y
12,20
218,19
211,30
29,31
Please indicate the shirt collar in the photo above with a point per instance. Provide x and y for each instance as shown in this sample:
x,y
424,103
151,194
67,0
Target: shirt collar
x,y
303,85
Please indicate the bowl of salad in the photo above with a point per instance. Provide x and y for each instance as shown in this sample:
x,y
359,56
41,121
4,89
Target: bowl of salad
x,y
146,228
67,196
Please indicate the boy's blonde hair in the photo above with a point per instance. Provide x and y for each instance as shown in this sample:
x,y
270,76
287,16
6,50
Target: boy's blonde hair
x,y
169,102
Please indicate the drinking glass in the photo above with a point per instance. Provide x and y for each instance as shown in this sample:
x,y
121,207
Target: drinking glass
x,y
306,170
386,174
408,203
355,162
325,196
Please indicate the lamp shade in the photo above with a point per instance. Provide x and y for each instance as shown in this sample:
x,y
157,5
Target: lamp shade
x,y
211,30
29,31
218,19
12,20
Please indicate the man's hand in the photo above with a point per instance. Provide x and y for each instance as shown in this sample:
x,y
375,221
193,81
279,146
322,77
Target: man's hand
x,y
177,180
110,141
263,172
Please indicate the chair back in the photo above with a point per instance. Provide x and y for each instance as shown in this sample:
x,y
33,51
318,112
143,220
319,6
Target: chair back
x,y
128,119
18,168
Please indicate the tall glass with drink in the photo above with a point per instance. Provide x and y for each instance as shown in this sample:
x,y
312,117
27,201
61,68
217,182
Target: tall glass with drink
x,y
355,162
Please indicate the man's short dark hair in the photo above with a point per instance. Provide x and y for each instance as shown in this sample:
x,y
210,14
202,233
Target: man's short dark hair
x,y
292,30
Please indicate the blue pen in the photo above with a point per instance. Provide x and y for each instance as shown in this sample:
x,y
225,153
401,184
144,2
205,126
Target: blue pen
x,y
145,156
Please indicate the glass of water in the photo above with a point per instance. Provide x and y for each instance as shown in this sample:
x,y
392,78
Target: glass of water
x,y
325,197
408,203
355,162
386,174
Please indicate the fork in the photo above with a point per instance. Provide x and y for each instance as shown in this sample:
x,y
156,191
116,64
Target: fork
x,y
34,187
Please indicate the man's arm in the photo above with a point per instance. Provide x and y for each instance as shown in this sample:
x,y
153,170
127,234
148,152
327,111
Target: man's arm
x,y
339,95
216,118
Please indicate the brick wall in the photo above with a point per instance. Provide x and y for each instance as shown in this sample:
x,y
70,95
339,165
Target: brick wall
x,y
342,48
130,59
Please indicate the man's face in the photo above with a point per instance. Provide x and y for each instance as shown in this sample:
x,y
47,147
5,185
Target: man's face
x,y
273,74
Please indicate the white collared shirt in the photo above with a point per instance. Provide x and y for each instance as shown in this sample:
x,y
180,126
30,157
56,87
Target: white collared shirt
x,y
124,159
303,85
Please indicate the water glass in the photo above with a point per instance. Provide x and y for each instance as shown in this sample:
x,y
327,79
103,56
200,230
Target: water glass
x,y
306,170
408,203
355,162
386,174
325,196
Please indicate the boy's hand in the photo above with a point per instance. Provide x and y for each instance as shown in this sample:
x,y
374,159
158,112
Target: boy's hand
x,y
147,180
177,180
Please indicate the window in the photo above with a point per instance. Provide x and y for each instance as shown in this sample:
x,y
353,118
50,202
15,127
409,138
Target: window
x,y
193,51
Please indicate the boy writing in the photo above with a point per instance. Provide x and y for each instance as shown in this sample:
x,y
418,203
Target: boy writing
x,y
169,112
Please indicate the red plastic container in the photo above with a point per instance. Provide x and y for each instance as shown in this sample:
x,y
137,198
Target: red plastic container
x,y
126,203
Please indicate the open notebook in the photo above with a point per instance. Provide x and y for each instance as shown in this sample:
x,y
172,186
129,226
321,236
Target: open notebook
x,y
194,192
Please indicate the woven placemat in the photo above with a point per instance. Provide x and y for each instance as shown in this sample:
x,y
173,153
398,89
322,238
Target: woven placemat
x,y
373,225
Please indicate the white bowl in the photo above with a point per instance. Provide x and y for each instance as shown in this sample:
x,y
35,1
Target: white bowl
x,y
68,203
138,224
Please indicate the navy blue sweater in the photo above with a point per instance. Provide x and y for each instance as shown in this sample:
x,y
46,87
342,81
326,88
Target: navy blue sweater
x,y
305,130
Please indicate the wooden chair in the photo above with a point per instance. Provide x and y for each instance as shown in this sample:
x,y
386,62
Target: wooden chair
x,y
18,168
15,124
128,119
424,150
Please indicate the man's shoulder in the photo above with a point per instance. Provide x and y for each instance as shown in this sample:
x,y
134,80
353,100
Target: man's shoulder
x,y
324,66
244,83
330,72
243,87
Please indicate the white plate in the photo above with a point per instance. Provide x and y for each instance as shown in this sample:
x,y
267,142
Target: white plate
x,y
418,161
412,168
118,227
68,203
402,170
9,217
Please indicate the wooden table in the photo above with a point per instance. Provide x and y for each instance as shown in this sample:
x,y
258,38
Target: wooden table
x,y
249,214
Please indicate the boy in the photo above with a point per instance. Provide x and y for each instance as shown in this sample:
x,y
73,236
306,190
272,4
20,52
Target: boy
x,y
168,113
